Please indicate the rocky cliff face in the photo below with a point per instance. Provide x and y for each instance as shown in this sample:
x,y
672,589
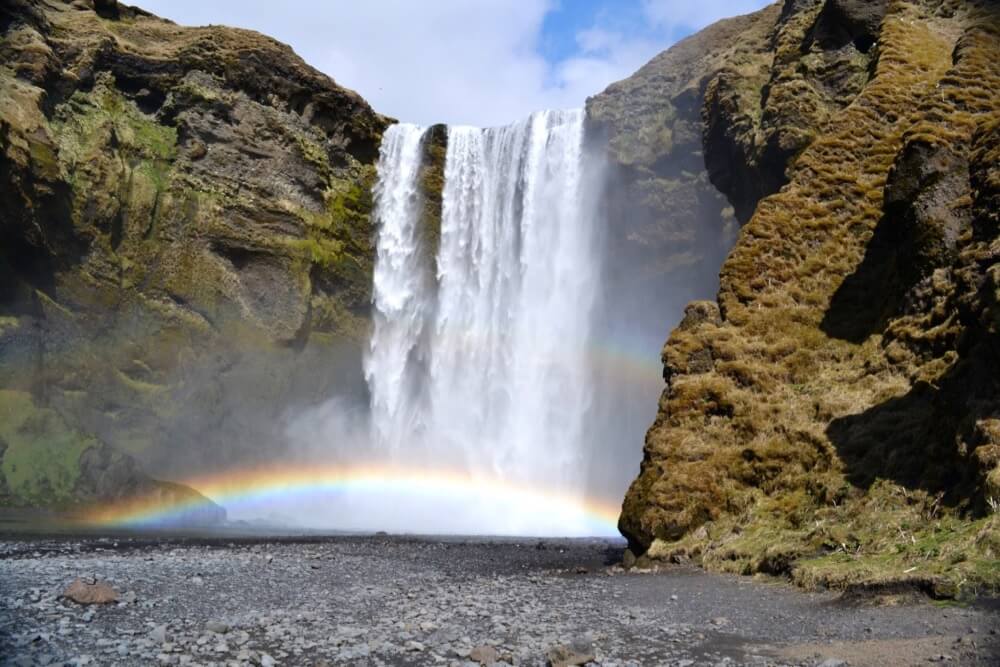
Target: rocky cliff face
x,y
834,416
185,243
670,228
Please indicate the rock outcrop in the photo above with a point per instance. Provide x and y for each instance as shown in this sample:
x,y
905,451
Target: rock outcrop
x,y
670,228
185,241
834,416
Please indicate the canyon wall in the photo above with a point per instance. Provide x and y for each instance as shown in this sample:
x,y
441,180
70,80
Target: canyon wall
x,y
185,245
834,414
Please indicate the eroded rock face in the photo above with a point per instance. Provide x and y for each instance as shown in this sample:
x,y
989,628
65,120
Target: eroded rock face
x,y
47,462
185,233
848,388
818,60
670,228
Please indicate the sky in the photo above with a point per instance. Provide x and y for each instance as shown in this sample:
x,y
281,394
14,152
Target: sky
x,y
466,62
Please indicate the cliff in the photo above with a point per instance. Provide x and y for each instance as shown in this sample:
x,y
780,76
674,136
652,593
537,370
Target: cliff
x,y
185,244
834,415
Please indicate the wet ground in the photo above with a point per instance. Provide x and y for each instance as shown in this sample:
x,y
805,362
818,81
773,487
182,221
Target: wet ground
x,y
384,600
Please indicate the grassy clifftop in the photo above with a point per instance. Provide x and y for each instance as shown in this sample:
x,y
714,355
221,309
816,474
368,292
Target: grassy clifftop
x,y
835,415
185,235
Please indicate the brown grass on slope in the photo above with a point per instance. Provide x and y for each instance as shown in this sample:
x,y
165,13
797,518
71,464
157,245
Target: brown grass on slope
x,y
834,418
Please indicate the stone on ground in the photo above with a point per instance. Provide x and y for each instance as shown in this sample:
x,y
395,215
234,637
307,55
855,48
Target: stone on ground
x,y
98,592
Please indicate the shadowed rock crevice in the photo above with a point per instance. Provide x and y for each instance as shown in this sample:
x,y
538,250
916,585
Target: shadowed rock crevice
x,y
943,436
844,22
929,439
919,233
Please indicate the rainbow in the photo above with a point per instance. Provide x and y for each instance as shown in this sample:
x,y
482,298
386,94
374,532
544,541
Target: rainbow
x,y
313,488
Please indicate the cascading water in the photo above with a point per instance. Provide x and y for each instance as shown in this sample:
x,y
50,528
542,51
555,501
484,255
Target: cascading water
x,y
403,293
482,367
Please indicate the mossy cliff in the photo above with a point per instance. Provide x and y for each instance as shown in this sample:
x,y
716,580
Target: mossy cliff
x,y
669,227
185,241
835,415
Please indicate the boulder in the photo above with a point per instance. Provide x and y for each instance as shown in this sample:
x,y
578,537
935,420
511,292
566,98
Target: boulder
x,y
87,593
484,655
566,656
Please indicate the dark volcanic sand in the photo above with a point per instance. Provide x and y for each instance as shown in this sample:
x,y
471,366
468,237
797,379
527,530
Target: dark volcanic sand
x,y
400,601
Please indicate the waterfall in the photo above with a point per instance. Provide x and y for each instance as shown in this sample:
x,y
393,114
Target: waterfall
x,y
483,366
402,292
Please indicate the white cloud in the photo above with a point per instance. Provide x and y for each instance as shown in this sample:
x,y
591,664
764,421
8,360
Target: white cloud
x,y
453,61
450,61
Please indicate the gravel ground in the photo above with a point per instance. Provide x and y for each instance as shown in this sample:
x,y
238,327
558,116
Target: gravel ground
x,y
400,601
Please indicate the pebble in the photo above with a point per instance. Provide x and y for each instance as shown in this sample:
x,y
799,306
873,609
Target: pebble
x,y
158,634
218,627
412,601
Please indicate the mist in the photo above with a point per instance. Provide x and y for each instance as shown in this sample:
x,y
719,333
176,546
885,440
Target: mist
x,y
435,432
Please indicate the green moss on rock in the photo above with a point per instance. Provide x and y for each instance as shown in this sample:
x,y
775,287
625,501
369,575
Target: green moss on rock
x,y
187,217
86,120
41,461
